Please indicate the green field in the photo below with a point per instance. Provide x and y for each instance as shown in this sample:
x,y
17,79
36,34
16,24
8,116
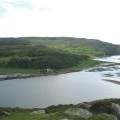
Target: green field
x,y
52,116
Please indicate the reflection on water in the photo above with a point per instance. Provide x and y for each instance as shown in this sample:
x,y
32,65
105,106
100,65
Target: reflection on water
x,y
61,89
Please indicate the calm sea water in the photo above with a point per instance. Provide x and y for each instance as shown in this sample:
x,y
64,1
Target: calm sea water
x,y
67,88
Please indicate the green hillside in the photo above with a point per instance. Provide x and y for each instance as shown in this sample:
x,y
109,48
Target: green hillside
x,y
39,57
80,44
51,52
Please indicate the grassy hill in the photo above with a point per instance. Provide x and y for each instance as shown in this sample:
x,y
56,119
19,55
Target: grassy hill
x,y
39,57
82,44
51,52
79,44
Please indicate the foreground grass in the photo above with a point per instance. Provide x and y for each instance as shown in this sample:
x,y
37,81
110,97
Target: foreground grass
x,y
51,116
28,116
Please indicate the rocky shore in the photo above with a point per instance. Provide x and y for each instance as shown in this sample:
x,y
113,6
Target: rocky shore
x,y
15,76
107,109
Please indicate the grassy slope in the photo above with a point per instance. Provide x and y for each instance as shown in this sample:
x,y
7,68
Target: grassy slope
x,y
69,42
19,70
51,116
66,42
27,56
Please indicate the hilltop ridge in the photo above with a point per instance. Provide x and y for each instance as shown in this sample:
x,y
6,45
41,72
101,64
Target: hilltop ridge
x,y
66,42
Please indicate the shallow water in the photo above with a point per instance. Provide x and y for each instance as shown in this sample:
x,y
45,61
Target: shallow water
x,y
61,89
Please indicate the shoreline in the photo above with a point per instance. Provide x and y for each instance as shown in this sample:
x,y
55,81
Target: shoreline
x,y
104,100
105,109
74,104
19,75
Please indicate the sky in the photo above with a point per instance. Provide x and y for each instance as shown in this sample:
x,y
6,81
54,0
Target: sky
x,y
94,19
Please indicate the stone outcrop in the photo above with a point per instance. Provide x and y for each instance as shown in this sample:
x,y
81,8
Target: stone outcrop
x,y
78,112
84,105
4,113
116,109
111,117
38,112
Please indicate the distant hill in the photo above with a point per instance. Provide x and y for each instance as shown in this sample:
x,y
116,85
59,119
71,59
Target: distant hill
x,y
67,43
52,52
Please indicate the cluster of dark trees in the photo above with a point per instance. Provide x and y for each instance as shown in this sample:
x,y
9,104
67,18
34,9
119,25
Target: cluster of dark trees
x,y
53,62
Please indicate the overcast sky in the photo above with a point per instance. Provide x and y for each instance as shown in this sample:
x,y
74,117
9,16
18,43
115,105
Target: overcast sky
x,y
98,19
